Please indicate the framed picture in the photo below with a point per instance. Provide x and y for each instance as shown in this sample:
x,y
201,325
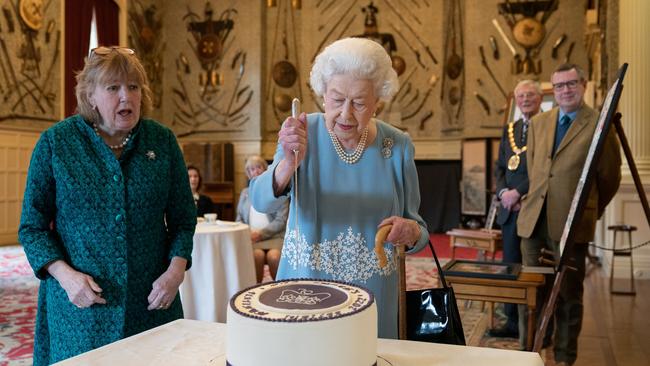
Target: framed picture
x,y
496,270
513,112
474,178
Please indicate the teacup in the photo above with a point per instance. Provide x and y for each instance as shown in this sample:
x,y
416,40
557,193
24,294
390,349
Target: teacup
x,y
210,218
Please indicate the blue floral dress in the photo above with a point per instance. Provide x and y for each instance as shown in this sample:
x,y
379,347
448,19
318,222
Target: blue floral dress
x,y
117,220
333,222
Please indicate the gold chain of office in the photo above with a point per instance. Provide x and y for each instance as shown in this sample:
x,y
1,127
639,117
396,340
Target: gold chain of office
x,y
513,162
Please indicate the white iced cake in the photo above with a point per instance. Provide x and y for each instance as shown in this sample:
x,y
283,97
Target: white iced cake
x,y
302,322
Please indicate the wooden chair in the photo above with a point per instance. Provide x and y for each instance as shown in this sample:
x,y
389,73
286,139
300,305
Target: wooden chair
x,y
624,252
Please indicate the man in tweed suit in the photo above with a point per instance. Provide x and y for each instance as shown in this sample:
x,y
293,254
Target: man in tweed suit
x,y
512,180
558,143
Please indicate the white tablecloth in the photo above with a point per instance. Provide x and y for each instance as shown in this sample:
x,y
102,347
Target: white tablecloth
x,y
188,343
222,264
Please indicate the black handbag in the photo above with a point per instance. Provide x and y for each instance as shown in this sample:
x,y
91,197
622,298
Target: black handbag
x,y
432,314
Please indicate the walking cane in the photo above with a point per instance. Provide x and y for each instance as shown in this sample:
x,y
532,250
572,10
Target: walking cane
x,y
380,238
401,306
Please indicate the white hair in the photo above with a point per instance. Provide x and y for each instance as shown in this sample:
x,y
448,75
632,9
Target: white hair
x,y
530,82
359,57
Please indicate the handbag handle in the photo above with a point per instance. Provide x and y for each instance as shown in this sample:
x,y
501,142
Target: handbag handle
x,y
440,274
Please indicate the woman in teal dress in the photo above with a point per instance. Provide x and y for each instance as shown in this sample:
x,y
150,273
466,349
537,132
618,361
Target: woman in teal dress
x,y
355,174
108,215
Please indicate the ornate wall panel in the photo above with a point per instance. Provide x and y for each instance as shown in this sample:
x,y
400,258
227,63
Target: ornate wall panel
x,y
212,63
450,89
30,56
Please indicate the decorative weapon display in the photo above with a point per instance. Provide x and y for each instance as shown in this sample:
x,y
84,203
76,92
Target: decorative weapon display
x,y
527,30
216,105
412,58
284,77
145,26
28,92
452,91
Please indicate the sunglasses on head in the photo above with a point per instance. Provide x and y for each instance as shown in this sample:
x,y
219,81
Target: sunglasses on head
x,y
103,51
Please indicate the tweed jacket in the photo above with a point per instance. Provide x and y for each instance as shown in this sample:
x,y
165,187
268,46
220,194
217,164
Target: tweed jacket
x,y
506,178
553,179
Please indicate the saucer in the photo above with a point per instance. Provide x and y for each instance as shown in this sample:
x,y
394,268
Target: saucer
x,y
226,223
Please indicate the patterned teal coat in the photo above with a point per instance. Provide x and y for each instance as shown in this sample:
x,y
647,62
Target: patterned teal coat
x,y
119,221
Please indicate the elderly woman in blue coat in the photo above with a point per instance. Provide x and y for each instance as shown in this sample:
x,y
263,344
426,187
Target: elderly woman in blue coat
x,y
267,229
354,175
108,215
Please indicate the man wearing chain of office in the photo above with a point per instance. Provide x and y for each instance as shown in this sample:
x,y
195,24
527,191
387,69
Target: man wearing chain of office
x,y
512,181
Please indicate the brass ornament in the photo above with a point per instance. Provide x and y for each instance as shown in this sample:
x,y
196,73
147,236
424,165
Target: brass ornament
x,y
528,32
282,102
31,11
284,73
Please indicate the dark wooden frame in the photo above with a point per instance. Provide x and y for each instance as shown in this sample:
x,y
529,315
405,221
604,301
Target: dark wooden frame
x,y
506,271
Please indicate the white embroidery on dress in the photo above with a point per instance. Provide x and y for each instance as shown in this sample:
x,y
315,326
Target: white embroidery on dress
x,y
347,258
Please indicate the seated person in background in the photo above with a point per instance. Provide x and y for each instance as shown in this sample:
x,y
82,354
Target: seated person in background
x,y
263,226
203,203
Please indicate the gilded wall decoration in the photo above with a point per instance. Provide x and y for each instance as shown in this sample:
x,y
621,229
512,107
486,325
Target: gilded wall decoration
x,y
211,91
284,81
30,41
452,91
145,26
455,69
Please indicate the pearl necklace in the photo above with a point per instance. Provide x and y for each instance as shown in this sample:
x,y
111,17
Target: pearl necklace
x,y
349,158
114,147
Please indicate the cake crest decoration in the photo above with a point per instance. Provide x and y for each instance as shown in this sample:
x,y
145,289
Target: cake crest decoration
x,y
302,296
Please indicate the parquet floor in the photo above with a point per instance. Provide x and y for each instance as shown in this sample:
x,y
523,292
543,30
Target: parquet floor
x,y
615,328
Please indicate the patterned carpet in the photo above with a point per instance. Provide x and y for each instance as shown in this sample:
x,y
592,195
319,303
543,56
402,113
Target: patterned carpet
x,y
19,287
18,290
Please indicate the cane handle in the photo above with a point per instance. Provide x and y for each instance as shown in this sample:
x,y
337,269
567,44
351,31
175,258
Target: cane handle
x,y
380,238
